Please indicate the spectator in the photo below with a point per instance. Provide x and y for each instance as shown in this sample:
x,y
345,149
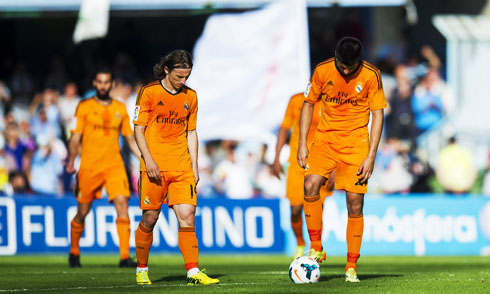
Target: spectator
x,y
46,117
456,171
68,104
17,149
400,120
430,101
230,177
46,169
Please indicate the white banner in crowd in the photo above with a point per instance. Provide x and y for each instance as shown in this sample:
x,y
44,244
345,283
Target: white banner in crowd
x,y
93,20
246,67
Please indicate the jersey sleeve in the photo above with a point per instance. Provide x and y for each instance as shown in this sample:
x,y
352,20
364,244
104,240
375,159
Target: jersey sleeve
x,y
125,125
314,87
290,115
192,121
376,95
78,123
142,108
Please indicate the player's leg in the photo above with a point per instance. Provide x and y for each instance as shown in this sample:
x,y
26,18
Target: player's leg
x,y
295,195
182,199
297,225
117,186
313,207
77,226
154,196
355,228
123,230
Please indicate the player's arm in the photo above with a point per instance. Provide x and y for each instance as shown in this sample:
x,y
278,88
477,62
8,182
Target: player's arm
x,y
152,168
193,146
366,168
73,148
281,141
304,128
132,145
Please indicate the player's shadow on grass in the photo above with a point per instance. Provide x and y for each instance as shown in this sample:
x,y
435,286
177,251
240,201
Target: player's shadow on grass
x,y
178,278
361,277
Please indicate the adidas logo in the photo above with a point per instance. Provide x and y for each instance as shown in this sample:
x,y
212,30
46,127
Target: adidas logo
x,y
160,103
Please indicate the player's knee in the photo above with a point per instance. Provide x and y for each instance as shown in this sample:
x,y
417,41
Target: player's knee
x,y
311,187
149,221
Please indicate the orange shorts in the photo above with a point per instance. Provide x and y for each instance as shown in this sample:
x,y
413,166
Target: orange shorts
x,y
175,187
324,158
295,183
90,183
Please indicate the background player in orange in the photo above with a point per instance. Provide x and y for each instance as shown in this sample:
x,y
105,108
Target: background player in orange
x,y
97,125
165,129
295,173
350,89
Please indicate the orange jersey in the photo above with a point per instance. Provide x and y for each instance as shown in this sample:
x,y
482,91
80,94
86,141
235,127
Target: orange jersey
x,y
291,120
346,102
100,127
167,118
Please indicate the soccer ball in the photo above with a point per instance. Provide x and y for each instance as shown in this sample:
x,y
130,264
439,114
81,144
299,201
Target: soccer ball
x,y
303,270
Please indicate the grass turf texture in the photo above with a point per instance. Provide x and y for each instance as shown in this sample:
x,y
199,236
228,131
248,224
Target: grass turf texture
x,y
244,274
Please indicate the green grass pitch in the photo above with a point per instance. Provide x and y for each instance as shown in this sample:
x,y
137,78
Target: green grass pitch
x,y
245,274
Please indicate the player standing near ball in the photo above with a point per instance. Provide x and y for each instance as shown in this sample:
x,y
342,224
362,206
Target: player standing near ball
x,y
165,130
98,123
350,89
295,173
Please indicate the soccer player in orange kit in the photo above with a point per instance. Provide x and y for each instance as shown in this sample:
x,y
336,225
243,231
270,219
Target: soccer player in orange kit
x,y
295,173
98,123
349,89
165,130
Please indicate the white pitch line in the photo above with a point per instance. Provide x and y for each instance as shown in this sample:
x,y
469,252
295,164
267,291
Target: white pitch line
x,y
117,287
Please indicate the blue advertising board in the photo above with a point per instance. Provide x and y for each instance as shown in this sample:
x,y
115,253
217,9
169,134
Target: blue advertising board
x,y
394,225
42,224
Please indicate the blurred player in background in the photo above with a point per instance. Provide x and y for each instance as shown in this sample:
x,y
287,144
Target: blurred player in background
x,y
165,129
295,173
97,125
350,89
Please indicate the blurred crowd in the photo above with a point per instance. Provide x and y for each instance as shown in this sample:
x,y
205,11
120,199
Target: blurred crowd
x,y
35,124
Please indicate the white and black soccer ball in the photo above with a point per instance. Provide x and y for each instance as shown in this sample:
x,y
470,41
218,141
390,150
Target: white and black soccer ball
x,y
303,270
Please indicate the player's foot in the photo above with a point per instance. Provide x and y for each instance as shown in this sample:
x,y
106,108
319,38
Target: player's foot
x,y
300,251
142,277
351,276
319,256
74,260
128,262
201,278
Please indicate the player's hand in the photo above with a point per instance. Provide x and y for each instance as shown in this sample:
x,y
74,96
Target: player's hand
x,y
302,156
70,167
153,170
365,170
196,176
277,169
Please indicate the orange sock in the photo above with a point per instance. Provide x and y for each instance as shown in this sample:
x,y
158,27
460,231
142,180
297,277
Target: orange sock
x,y
189,247
76,234
355,228
122,224
144,238
297,224
313,214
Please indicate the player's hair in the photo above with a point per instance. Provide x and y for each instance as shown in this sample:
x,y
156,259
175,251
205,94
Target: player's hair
x,y
103,70
348,50
175,59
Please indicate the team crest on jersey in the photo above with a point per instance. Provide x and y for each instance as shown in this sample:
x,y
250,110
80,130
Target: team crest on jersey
x,y
146,200
307,91
136,112
118,115
186,106
359,87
